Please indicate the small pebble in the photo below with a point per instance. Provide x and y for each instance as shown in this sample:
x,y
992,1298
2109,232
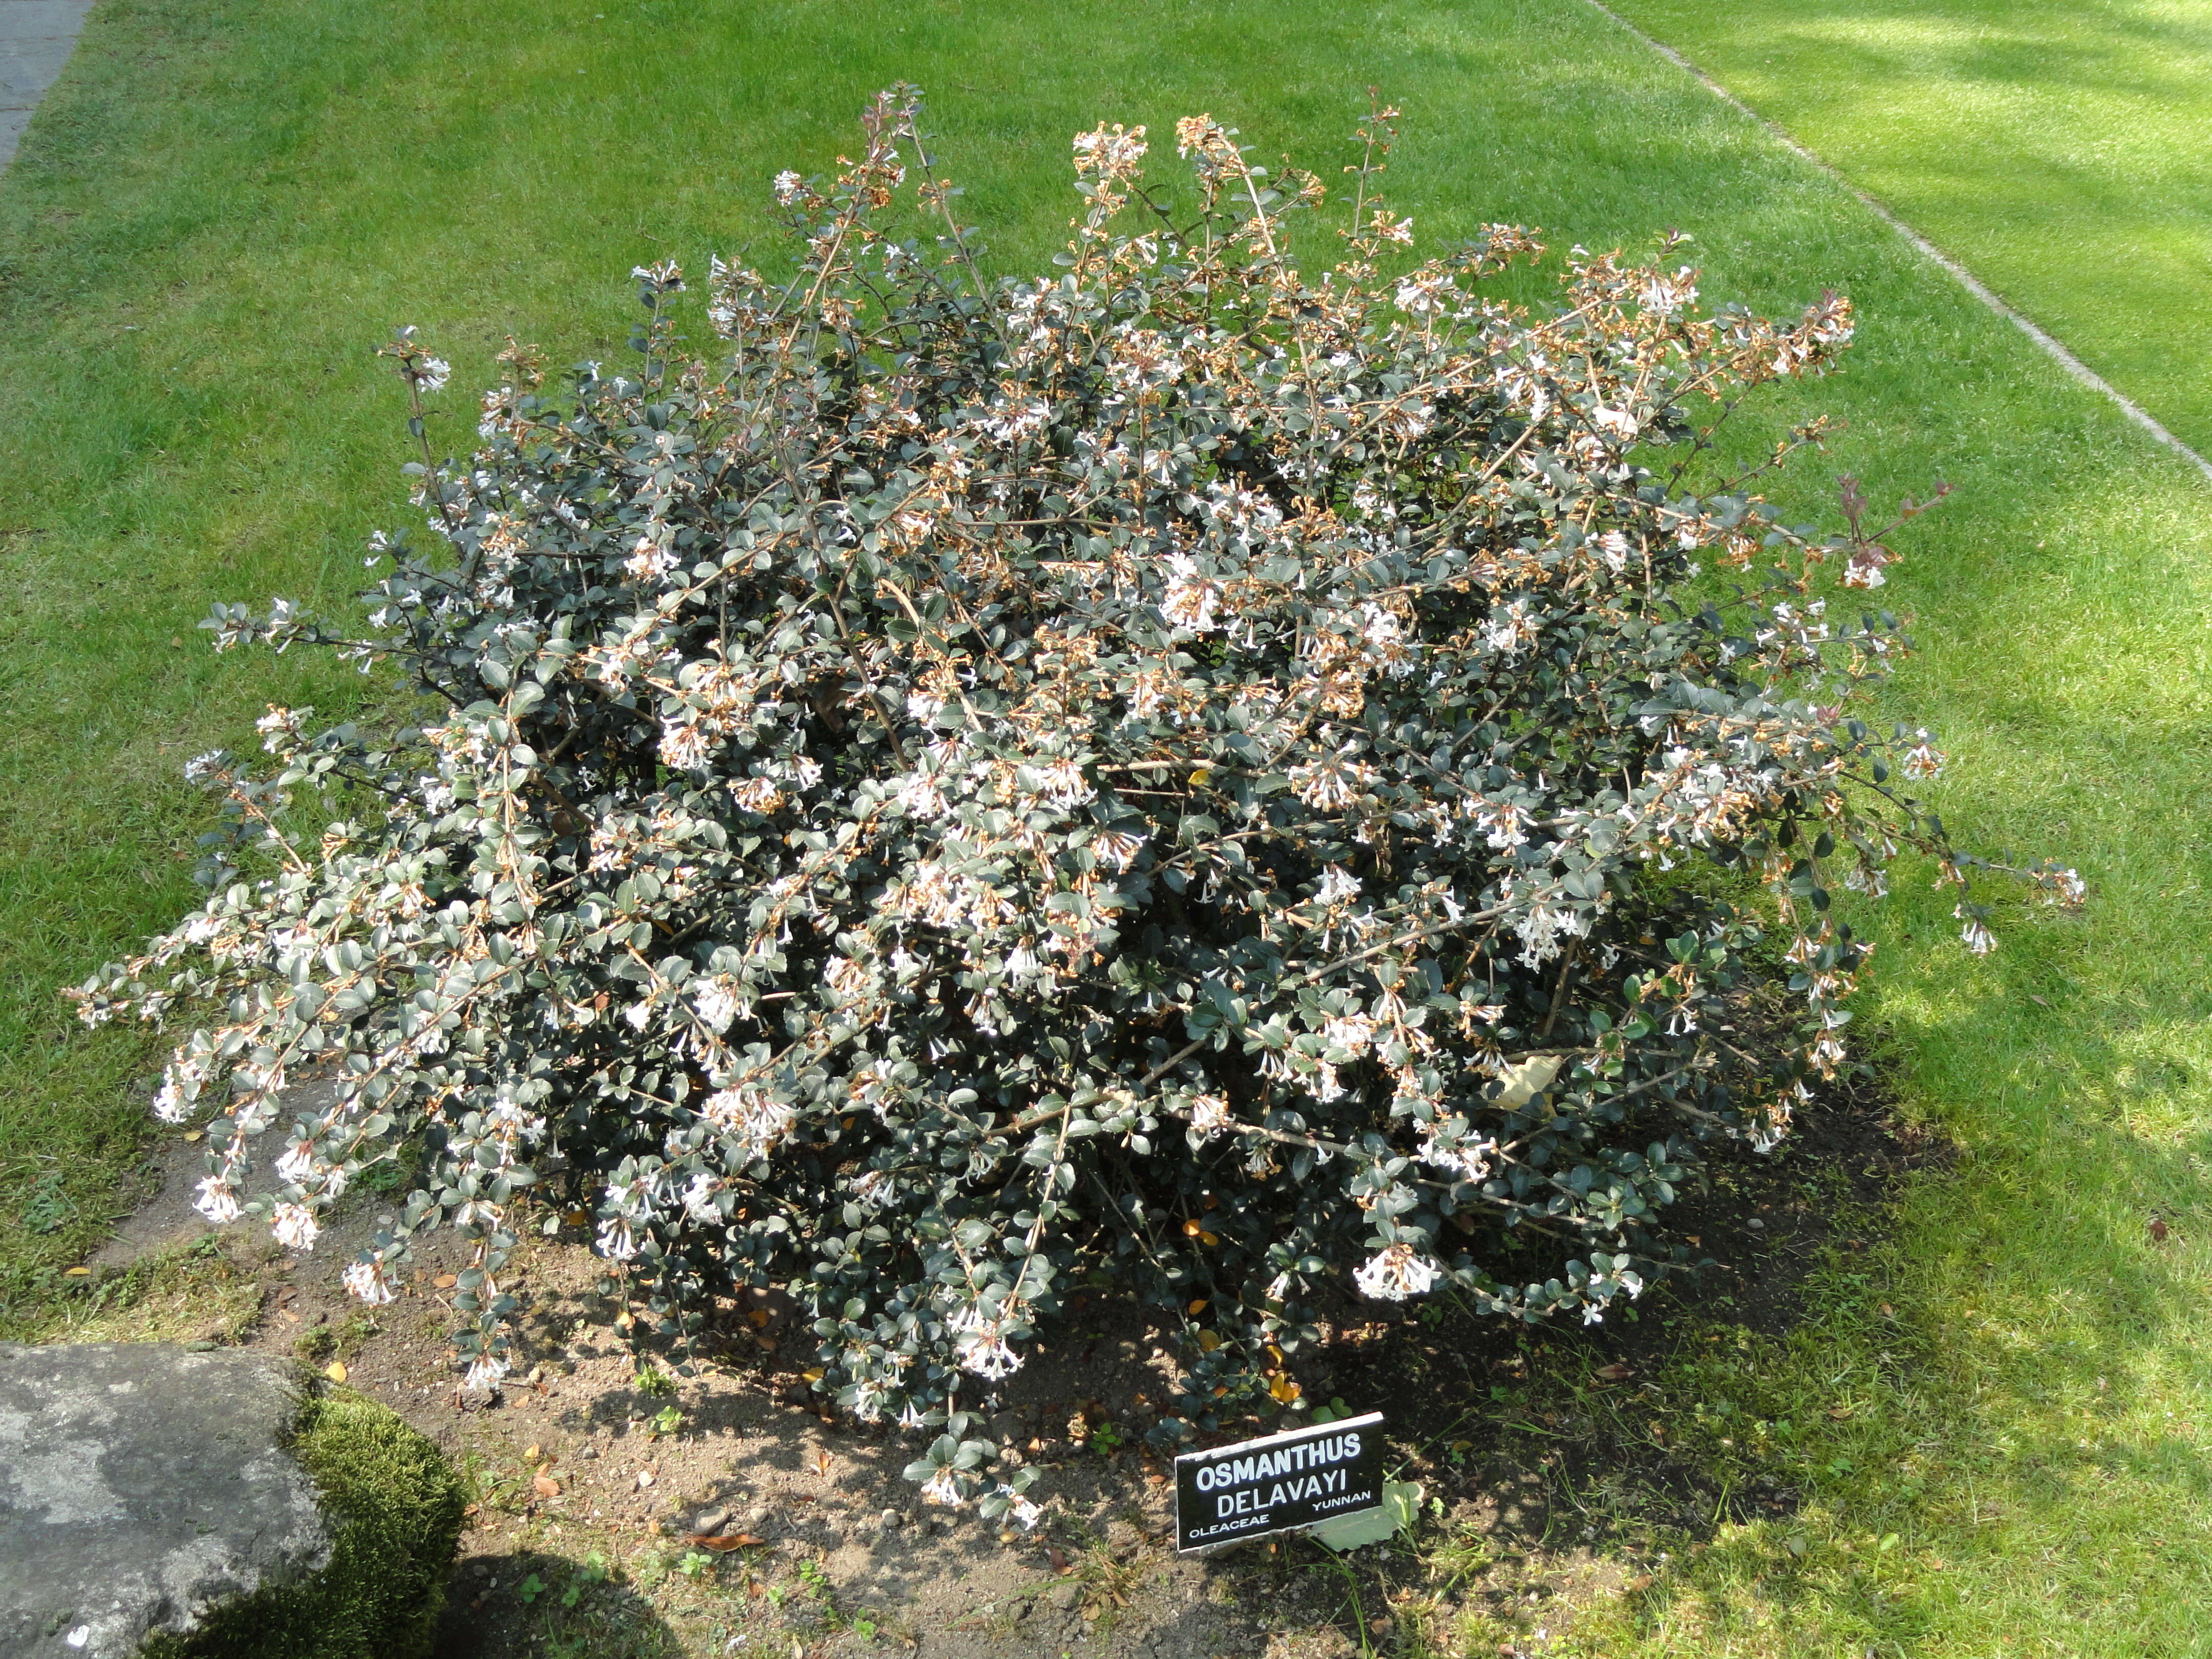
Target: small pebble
x,y
710,1521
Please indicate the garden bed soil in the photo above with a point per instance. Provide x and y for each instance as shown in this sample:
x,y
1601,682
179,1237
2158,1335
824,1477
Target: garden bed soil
x,y
723,1512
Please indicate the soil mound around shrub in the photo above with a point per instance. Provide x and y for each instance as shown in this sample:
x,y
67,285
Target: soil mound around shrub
x,y
580,1488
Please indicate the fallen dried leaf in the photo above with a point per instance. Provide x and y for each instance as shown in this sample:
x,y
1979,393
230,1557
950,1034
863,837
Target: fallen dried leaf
x,y
1643,1581
1614,1373
724,1543
1060,1564
192,1134
1839,1412
534,1454
823,1461
545,1486
2158,1231
336,1370
447,1281
78,1273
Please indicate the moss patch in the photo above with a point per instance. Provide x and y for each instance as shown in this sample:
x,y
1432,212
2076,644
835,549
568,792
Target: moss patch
x,y
396,1505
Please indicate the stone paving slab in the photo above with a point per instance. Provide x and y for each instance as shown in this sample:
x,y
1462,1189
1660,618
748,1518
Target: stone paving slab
x,y
140,1487
36,38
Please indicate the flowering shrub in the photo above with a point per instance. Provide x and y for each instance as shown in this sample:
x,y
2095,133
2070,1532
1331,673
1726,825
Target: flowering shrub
x,y
1168,772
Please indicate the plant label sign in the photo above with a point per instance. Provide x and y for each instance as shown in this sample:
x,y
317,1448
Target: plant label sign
x,y
1278,1484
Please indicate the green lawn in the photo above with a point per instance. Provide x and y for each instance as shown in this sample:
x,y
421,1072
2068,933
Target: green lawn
x,y
227,204
2061,150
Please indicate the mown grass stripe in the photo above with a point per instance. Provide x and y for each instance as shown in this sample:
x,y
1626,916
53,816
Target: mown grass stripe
x,y
2048,343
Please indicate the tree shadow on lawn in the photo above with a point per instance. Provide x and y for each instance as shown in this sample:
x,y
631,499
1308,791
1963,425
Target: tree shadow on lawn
x,y
2019,1363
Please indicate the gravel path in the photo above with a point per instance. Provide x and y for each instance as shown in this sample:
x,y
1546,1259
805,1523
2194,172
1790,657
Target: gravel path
x,y
36,37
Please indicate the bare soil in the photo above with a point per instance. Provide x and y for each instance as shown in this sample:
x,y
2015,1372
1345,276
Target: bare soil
x,y
722,1512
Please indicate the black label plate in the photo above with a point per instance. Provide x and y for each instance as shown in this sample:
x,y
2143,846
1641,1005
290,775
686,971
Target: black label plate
x,y
1278,1484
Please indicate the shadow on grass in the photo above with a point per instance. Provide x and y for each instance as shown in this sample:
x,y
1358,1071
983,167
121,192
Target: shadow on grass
x,y
502,1607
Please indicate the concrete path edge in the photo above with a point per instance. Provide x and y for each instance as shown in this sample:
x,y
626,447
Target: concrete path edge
x,y
36,39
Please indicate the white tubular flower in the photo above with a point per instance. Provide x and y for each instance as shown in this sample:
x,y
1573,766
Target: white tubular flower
x,y
699,1199
218,1201
1117,850
989,1357
981,1346
943,1487
1209,1115
648,561
1336,886
1469,1160
1395,1274
617,1242
1190,598
485,1373
717,1004
368,1281
297,1162
1618,423
295,1226
1065,784
1019,1510
1923,762
757,794
686,748
171,1103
